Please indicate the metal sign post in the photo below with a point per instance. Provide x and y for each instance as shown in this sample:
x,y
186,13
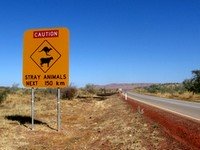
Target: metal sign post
x,y
58,109
32,107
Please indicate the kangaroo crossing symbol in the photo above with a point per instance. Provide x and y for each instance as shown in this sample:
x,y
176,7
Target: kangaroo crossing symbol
x,y
46,50
46,58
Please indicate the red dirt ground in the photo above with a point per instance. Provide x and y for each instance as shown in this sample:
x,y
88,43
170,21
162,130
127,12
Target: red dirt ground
x,y
184,130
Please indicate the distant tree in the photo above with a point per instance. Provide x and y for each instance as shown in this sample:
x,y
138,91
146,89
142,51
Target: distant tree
x,y
91,88
188,84
193,84
153,88
14,87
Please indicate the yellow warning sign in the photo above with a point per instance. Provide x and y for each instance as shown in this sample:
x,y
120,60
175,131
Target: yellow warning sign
x,y
46,58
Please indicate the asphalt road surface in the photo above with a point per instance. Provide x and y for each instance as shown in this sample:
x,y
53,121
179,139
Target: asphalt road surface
x,y
184,108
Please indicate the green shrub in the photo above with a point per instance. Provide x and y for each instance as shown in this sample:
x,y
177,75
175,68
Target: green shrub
x,y
26,91
153,88
166,88
69,92
193,84
90,88
3,96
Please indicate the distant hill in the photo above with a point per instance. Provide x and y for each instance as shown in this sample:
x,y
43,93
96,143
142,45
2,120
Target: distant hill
x,y
125,86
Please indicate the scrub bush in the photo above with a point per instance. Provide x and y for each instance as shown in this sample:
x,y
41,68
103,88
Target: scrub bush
x,y
69,92
91,88
3,96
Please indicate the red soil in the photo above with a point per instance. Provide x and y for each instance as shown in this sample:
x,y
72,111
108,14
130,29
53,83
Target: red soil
x,y
182,129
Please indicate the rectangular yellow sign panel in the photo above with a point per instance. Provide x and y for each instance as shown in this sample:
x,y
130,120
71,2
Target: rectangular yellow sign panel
x,y
46,58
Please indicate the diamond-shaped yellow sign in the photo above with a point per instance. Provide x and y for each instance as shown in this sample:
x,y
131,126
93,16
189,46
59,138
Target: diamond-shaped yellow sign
x,y
46,58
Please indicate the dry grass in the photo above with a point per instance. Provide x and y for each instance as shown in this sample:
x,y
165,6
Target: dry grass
x,y
86,124
187,96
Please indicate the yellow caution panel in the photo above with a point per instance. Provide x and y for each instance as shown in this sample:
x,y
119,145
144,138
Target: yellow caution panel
x,y
46,58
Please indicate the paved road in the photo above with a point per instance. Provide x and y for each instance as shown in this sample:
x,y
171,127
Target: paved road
x,y
189,109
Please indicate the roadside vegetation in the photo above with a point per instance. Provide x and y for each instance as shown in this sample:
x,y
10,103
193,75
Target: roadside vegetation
x,y
188,90
92,118
193,84
3,94
89,91
68,93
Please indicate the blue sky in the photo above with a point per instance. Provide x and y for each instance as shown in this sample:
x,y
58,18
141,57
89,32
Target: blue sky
x,y
111,41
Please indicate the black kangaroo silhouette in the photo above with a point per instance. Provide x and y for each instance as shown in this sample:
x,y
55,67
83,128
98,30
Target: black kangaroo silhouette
x,y
46,50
